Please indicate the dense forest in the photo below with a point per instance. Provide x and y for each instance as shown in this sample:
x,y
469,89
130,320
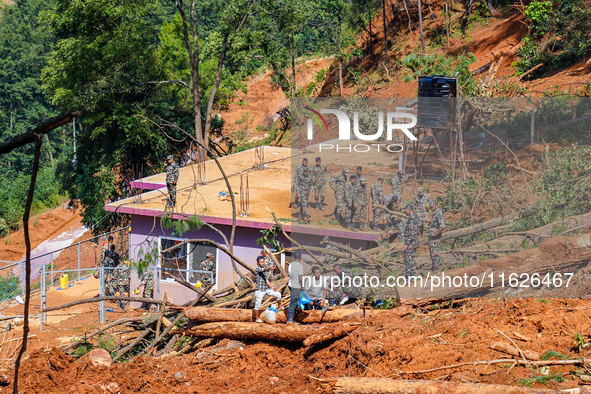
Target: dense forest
x,y
132,65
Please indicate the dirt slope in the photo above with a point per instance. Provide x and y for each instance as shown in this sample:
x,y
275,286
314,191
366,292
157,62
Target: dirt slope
x,y
42,227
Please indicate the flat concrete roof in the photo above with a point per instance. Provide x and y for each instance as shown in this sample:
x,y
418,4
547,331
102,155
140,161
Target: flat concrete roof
x,y
270,189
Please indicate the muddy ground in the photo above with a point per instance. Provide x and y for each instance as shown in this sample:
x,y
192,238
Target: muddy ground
x,y
383,346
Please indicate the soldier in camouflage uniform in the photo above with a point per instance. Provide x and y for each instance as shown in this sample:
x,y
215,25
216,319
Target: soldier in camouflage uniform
x,y
338,183
172,177
377,198
295,186
360,202
147,281
420,203
319,183
119,282
268,264
207,265
329,259
435,230
106,247
409,235
346,292
349,200
305,186
396,184
390,220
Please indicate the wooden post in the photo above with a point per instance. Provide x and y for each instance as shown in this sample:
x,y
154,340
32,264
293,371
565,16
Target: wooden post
x,y
532,126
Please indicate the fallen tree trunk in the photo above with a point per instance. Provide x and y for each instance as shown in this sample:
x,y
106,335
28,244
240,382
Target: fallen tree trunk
x,y
268,332
210,315
462,232
512,350
387,386
555,257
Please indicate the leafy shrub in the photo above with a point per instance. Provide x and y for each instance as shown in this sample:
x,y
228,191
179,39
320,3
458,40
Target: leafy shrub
x,y
567,36
538,12
443,65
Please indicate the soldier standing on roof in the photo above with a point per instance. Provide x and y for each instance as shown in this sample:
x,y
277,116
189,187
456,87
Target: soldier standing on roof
x,y
396,185
305,186
349,200
295,186
361,202
420,203
319,183
377,198
435,233
207,265
338,183
172,177
409,235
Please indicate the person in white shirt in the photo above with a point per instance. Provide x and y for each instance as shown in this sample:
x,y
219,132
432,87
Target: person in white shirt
x,y
295,272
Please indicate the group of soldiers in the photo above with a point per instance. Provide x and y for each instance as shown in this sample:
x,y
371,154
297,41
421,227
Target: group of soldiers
x,y
116,275
352,200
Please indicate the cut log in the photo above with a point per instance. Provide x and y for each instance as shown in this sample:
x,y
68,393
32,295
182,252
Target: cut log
x,y
512,350
387,386
210,315
267,332
462,232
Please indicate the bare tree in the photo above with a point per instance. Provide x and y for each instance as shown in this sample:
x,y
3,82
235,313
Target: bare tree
x,y
236,17
421,27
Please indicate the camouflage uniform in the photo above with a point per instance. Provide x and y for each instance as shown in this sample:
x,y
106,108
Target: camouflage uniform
x,y
437,222
396,187
119,282
390,221
420,204
377,198
295,187
305,185
148,282
207,265
349,198
319,185
269,264
338,183
409,235
347,287
172,176
330,260
361,201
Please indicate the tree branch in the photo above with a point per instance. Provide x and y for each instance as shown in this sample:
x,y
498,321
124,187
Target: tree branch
x,y
41,128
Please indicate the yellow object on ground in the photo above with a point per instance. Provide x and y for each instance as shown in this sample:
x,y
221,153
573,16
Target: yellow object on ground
x,y
64,281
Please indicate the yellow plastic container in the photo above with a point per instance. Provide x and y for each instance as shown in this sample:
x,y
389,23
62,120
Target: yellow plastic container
x,y
64,281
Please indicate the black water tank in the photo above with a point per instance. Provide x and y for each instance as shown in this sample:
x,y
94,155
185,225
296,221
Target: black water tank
x,y
436,101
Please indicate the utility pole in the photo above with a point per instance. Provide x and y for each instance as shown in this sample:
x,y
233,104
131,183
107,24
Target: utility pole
x,y
74,160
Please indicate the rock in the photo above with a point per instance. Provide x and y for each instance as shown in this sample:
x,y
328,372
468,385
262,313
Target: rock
x,y
18,321
587,67
100,358
112,388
